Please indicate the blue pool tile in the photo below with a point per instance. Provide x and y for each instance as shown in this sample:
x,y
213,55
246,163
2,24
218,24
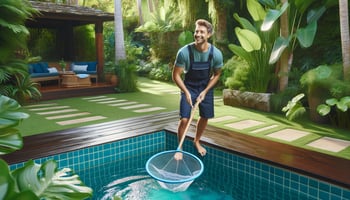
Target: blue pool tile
x,y
247,178
346,194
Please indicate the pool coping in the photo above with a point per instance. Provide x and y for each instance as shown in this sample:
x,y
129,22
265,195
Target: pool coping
x,y
325,167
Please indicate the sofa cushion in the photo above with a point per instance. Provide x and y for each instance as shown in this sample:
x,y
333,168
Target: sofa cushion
x,y
44,67
79,67
36,68
30,68
52,70
35,75
91,65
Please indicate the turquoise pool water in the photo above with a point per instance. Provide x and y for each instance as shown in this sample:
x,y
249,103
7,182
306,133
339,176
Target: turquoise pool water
x,y
118,168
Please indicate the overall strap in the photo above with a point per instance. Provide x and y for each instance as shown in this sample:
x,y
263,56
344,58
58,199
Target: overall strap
x,y
211,50
211,53
190,53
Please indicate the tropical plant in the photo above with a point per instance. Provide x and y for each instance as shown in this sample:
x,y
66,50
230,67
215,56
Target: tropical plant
x,y
340,115
256,46
62,64
32,181
164,26
321,83
293,29
294,109
14,78
126,71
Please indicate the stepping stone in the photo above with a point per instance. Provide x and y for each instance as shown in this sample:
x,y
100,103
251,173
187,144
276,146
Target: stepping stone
x,y
104,99
244,124
67,116
57,111
80,120
264,129
113,101
167,90
149,109
135,106
40,105
330,144
123,104
96,97
288,134
48,108
220,119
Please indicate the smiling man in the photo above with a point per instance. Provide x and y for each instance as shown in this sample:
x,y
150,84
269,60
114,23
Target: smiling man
x,y
201,63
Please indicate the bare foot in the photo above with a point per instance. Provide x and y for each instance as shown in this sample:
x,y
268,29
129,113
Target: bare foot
x,y
178,156
201,150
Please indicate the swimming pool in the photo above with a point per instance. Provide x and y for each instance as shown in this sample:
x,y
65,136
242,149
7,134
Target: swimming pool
x,y
230,175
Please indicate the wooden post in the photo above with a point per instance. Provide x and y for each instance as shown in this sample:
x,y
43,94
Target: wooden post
x,y
99,47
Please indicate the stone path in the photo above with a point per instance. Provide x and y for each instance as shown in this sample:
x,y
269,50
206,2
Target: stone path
x,y
285,135
65,115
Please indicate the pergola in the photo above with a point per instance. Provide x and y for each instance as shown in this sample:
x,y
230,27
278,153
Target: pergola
x,y
64,18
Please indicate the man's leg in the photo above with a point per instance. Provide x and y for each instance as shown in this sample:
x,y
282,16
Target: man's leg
x,y
181,128
201,125
180,132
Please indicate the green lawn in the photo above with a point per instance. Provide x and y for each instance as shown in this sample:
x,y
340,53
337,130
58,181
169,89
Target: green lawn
x,y
158,94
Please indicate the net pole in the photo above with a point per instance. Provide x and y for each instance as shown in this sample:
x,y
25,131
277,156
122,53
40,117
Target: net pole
x,y
188,125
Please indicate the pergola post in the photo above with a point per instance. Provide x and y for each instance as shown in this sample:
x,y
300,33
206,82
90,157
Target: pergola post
x,y
99,47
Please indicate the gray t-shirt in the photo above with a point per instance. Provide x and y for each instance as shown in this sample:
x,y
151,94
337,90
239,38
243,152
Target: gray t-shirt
x,y
183,59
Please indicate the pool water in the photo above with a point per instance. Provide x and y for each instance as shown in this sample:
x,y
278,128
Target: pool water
x,y
128,180
135,184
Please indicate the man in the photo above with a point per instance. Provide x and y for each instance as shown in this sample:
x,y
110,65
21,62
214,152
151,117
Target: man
x,y
201,63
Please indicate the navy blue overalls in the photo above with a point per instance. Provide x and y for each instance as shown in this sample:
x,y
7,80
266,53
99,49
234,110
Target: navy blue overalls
x,y
196,80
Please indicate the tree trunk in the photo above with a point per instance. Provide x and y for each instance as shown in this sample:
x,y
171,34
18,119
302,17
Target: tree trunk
x,y
221,37
344,35
119,33
284,60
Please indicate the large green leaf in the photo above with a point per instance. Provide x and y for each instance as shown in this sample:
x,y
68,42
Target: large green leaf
x,y
244,23
314,14
323,109
10,140
239,51
302,5
256,10
306,35
272,15
280,44
47,182
249,40
7,186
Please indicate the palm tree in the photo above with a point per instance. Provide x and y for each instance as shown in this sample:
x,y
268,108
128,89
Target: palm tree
x,y
344,35
119,33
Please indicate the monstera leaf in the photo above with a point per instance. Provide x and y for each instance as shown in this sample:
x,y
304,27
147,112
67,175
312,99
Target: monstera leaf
x,y
7,186
47,182
10,138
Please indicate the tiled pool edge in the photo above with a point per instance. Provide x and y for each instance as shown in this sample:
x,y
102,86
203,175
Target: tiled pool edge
x,y
159,141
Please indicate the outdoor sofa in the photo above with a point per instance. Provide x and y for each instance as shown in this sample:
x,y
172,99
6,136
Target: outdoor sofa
x,y
89,68
41,71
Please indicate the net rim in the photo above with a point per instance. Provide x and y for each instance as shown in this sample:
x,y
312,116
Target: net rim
x,y
175,181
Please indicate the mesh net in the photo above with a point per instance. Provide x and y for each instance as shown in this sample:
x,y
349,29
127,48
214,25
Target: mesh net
x,y
172,174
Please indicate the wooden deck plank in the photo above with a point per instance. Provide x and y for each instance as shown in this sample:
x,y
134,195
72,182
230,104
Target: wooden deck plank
x,y
322,166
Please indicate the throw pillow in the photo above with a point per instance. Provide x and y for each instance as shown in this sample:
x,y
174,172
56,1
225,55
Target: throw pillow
x,y
52,70
80,67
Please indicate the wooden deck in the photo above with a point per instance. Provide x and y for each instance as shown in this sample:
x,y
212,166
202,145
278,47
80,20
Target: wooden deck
x,y
53,91
314,164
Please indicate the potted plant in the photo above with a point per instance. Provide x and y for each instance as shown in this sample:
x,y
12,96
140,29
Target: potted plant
x,y
62,65
110,73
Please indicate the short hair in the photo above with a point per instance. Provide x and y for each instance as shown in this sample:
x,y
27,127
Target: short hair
x,y
203,22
